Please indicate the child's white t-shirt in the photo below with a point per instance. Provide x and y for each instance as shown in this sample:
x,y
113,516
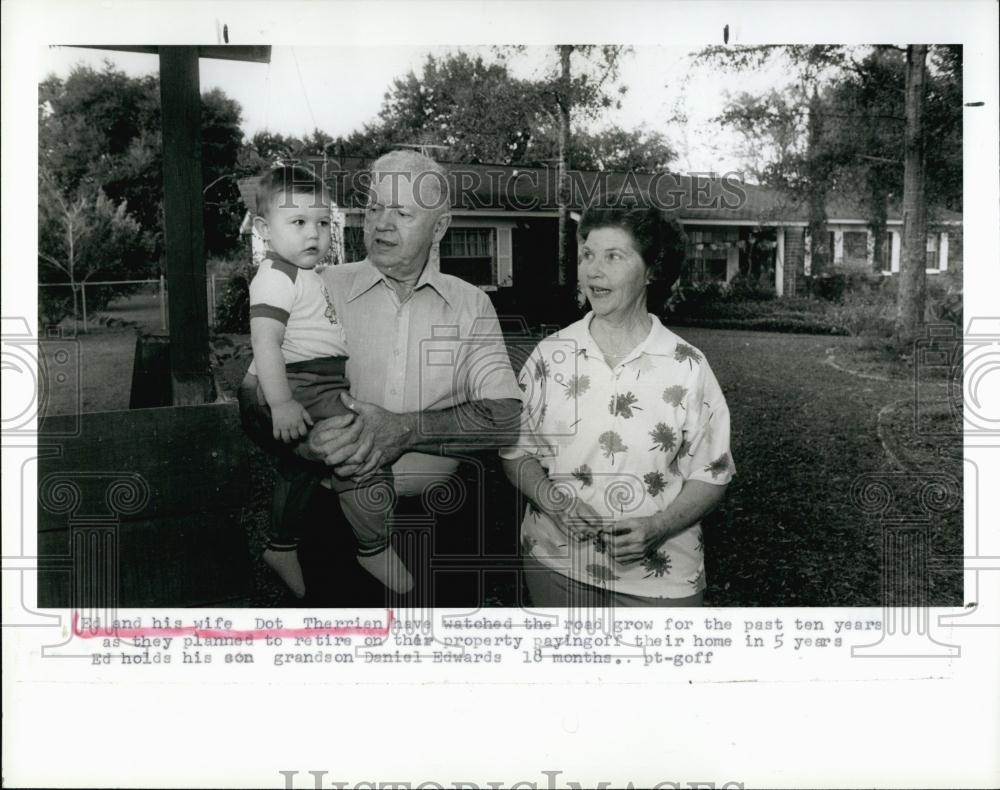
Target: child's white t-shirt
x,y
297,298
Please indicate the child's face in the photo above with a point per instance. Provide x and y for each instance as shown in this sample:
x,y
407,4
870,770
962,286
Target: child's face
x,y
297,227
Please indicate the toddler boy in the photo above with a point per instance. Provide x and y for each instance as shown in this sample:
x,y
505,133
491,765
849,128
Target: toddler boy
x,y
299,353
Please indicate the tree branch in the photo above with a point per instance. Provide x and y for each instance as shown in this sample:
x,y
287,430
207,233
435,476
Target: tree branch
x,y
52,261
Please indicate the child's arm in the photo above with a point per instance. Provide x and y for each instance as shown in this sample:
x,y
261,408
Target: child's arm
x,y
289,419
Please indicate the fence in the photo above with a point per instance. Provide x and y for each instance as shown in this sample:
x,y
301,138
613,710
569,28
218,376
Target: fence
x,y
156,317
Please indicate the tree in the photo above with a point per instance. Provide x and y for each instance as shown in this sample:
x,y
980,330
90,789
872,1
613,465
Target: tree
x,y
586,93
840,126
81,238
481,113
809,173
100,130
639,151
912,282
478,110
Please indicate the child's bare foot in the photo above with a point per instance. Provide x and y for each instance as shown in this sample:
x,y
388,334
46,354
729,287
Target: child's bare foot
x,y
286,565
388,568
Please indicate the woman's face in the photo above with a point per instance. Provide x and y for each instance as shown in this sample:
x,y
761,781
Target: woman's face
x,y
612,273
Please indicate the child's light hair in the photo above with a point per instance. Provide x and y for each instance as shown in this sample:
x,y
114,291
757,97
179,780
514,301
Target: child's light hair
x,y
285,180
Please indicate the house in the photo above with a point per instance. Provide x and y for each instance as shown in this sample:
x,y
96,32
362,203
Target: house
x,y
504,229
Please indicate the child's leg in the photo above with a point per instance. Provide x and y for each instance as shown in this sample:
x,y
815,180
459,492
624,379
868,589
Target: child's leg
x,y
367,508
292,491
316,384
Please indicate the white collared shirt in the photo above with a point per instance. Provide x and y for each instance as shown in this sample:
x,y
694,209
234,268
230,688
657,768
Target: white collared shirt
x,y
625,438
440,347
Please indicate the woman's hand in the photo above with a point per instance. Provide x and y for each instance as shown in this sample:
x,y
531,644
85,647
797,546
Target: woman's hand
x,y
576,519
631,539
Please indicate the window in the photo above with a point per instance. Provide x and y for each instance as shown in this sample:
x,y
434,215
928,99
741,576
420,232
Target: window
x,y
469,253
707,253
855,248
354,244
933,257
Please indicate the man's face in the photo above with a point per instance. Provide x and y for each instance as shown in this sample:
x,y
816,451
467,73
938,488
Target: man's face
x,y
403,219
297,227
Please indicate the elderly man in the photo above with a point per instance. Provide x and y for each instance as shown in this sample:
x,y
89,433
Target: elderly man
x,y
428,368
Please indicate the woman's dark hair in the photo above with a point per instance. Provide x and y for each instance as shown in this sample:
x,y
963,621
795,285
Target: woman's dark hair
x,y
658,238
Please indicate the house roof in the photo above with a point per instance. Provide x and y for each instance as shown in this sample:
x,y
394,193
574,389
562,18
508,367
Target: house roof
x,y
479,188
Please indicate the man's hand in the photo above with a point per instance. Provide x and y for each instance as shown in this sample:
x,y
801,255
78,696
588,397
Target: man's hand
x,y
383,439
331,440
289,421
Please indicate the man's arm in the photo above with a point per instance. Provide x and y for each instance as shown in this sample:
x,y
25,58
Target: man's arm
x,y
483,424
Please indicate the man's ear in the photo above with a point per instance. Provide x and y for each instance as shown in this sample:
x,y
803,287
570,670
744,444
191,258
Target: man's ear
x,y
441,226
262,228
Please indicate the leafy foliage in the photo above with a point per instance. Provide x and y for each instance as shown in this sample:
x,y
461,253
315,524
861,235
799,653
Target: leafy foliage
x,y
85,237
233,311
838,128
481,113
101,130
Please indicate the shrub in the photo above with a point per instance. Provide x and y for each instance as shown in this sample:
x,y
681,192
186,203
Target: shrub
x,y
863,314
232,313
834,286
944,299
745,289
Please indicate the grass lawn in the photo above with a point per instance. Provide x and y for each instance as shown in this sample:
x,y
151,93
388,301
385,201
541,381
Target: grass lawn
x,y
104,360
789,532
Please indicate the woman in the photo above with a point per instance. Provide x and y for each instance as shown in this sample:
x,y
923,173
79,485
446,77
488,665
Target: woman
x,y
624,442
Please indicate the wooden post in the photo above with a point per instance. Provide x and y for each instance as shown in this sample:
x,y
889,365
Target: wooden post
x,y
180,106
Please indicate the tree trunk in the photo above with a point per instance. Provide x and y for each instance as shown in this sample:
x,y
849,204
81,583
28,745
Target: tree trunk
x,y
878,214
567,269
912,276
817,185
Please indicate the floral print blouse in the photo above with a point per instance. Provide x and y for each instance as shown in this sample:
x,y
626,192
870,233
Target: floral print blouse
x,y
624,439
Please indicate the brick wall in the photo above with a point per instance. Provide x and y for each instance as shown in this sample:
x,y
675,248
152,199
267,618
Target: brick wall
x,y
794,258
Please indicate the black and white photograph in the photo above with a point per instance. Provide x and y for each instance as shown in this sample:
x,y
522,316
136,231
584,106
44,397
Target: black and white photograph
x,y
419,393
708,420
